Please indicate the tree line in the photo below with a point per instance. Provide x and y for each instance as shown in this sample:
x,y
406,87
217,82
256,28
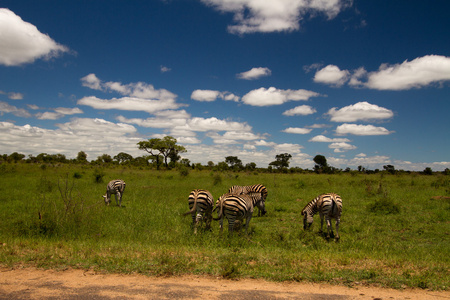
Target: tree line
x,y
165,153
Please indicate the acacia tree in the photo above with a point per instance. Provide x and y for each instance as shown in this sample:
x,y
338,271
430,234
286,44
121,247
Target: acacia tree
x,y
321,163
233,162
282,161
166,147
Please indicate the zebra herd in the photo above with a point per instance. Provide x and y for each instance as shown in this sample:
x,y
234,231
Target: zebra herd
x,y
237,206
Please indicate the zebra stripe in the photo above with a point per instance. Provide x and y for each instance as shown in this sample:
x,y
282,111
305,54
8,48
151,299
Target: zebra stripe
x,y
200,207
246,189
116,187
328,206
237,208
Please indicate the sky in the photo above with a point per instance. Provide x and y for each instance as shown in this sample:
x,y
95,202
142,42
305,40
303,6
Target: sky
x,y
364,83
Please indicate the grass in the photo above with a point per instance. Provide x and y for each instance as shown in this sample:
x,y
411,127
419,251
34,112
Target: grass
x,y
393,232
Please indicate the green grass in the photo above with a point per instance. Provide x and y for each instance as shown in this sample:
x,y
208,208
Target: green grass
x,y
393,233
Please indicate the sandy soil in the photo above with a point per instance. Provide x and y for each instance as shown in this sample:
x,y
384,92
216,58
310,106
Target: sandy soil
x,y
31,283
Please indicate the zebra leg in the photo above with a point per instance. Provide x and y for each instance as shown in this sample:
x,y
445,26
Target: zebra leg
x,y
321,222
120,199
329,227
338,221
247,223
198,220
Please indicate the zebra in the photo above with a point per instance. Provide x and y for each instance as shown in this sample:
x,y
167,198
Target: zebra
x,y
201,205
116,187
328,206
237,208
256,188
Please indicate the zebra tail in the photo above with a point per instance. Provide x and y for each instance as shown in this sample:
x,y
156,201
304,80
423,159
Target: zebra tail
x,y
219,212
193,209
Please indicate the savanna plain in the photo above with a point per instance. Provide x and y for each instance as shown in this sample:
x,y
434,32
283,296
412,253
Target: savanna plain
x,y
394,229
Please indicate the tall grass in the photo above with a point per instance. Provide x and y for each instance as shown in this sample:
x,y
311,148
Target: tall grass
x,y
393,232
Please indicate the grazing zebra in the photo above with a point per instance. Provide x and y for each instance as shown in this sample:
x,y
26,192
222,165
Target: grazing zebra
x,y
201,205
256,188
116,187
237,208
328,206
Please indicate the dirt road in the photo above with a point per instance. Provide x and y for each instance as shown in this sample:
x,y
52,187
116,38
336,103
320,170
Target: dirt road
x,y
31,283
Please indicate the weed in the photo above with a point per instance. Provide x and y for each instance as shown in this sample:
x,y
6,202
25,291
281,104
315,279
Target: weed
x,y
384,206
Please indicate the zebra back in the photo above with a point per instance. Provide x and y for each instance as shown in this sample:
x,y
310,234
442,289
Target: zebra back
x,y
116,185
328,204
256,188
200,201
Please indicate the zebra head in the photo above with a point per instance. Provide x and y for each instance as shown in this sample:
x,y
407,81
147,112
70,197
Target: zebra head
x,y
107,201
262,207
307,220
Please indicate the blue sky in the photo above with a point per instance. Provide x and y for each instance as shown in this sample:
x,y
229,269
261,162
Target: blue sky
x,y
364,83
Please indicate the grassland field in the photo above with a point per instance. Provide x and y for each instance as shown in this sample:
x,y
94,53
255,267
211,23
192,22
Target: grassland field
x,y
394,228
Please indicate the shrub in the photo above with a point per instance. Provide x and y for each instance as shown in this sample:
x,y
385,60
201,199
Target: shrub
x,y
384,206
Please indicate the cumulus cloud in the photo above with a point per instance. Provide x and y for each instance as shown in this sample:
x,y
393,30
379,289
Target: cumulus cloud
x,y
361,130
332,75
273,96
212,95
273,16
18,112
205,95
324,139
417,73
21,42
137,90
360,111
341,147
254,73
129,104
302,110
297,130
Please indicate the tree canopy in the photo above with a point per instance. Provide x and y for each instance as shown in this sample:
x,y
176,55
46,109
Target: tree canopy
x,y
166,147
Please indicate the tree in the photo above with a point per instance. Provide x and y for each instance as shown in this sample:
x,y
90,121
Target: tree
x,y
166,147
428,171
389,168
282,161
82,157
321,163
233,162
123,157
250,166
104,158
16,157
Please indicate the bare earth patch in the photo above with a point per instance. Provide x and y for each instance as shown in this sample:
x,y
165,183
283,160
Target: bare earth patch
x,y
31,283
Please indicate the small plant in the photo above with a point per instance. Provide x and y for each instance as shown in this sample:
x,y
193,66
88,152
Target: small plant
x,y
98,176
217,179
77,175
384,206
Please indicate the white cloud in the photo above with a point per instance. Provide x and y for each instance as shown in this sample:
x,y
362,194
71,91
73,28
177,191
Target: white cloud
x,y
332,75
302,110
324,139
205,95
68,111
417,73
273,16
211,95
254,73
15,96
165,69
18,112
21,42
297,130
361,130
214,124
129,104
341,147
273,96
360,111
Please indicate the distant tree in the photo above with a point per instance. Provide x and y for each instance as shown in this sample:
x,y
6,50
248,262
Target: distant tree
x,y
104,158
186,162
16,157
389,168
82,157
428,171
123,157
250,166
282,161
321,164
210,164
233,162
166,147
